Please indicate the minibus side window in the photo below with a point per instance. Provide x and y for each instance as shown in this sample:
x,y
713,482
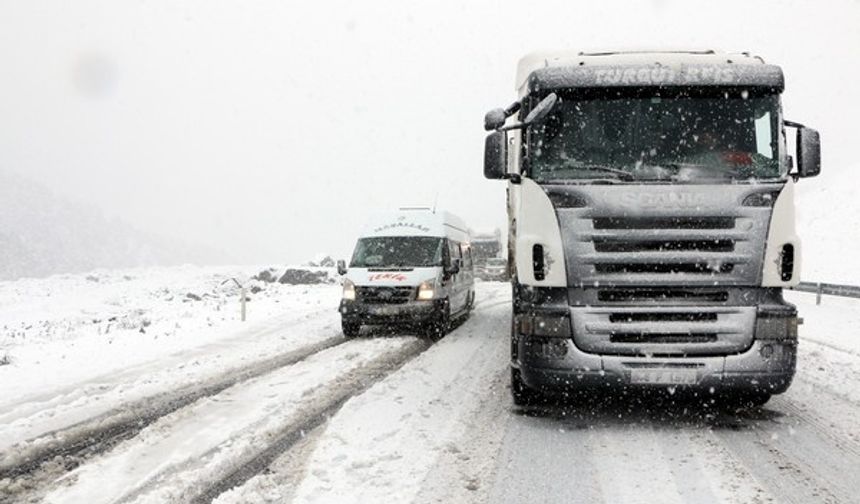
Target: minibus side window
x,y
467,256
454,250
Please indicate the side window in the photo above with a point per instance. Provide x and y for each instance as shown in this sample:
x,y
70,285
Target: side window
x,y
467,256
454,250
763,135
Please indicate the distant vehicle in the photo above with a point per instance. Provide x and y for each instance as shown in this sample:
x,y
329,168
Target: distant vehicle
x,y
486,248
651,209
493,268
412,267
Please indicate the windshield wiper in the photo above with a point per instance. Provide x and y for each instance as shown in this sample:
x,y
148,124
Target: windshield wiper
x,y
728,170
622,174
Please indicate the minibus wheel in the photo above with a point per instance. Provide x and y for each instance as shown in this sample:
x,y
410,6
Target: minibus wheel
x,y
350,329
440,323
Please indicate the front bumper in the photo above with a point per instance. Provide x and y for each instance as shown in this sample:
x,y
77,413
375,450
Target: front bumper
x,y
749,371
380,313
551,362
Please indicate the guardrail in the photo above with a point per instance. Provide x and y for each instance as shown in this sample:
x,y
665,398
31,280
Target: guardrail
x,y
829,289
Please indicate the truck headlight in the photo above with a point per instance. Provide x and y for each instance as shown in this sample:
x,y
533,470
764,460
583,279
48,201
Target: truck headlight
x,y
425,291
348,290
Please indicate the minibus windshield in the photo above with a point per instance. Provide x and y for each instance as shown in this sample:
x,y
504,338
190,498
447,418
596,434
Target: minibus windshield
x,y
397,252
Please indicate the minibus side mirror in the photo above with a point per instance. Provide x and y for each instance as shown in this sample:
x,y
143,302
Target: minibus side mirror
x,y
495,155
341,267
808,152
453,268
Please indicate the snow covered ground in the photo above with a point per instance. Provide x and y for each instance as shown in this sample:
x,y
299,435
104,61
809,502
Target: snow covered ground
x,y
62,329
81,346
283,409
442,429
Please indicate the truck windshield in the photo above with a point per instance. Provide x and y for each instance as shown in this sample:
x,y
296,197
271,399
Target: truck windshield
x,y
732,136
397,252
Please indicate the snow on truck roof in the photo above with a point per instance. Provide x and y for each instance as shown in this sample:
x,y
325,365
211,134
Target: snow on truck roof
x,y
542,71
417,222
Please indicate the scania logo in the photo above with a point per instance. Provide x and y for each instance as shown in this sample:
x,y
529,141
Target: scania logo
x,y
664,200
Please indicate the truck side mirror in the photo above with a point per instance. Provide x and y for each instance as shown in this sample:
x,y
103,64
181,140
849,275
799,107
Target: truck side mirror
x,y
495,155
808,152
495,119
341,267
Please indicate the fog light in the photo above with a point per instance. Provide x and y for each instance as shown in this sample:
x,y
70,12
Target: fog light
x,y
554,348
544,324
766,351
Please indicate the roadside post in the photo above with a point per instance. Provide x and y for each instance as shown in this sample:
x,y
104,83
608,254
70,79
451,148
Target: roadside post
x,y
242,296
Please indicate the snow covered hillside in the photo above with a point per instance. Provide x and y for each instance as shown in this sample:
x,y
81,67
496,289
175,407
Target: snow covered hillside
x,y
42,234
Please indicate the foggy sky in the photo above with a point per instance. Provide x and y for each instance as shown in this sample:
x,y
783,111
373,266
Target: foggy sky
x,y
271,129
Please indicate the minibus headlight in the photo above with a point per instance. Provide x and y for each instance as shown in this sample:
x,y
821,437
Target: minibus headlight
x,y
425,291
348,290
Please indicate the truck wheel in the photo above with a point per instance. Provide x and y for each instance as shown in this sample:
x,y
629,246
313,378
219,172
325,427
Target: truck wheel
x,y
522,394
350,329
741,400
753,399
438,327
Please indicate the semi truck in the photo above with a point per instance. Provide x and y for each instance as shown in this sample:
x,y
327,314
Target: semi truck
x,y
651,222
487,252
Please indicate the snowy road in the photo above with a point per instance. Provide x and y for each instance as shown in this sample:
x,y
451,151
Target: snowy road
x,y
393,419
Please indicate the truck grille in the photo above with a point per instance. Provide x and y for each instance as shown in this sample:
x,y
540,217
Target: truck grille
x,y
662,295
664,223
655,265
664,246
663,250
624,252
663,330
385,295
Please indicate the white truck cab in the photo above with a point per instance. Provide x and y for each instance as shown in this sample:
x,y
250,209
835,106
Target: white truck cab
x,y
413,266
651,221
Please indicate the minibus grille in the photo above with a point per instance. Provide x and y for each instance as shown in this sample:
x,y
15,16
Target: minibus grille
x,y
385,295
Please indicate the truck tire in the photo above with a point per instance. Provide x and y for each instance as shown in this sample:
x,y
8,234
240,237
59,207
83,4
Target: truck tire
x,y
522,394
744,400
753,399
350,329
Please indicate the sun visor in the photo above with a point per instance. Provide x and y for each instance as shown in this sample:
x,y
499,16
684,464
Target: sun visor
x,y
600,76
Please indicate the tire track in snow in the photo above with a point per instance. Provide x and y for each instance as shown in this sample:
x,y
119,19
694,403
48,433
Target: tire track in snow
x,y
795,458
29,404
312,419
479,382
619,449
188,455
47,457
